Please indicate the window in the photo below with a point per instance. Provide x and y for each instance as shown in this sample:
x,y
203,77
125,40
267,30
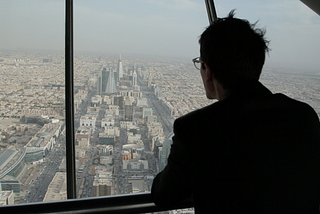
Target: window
x,y
32,100
125,53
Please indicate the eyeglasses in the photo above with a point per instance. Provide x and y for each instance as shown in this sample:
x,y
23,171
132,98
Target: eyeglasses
x,y
197,62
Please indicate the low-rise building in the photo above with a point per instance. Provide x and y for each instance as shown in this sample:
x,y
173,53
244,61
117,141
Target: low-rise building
x,y
6,198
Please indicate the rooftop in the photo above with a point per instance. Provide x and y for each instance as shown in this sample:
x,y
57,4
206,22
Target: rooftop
x,y
6,156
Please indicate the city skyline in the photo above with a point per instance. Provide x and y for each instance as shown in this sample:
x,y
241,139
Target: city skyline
x,y
120,137
158,28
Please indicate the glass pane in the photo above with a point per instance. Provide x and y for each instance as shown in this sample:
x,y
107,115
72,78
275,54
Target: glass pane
x,y
32,166
134,76
292,65
132,72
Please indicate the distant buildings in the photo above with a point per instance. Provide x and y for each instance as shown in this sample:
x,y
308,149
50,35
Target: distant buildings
x,y
165,151
6,198
107,82
147,112
57,189
135,165
134,78
88,121
137,184
10,183
12,162
103,184
43,140
123,142
120,68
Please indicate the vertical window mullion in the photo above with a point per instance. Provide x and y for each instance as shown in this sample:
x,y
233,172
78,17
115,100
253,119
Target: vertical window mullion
x,y
211,10
69,99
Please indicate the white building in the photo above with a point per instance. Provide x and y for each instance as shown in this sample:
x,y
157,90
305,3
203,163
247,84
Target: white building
x,y
88,121
114,109
134,78
106,160
133,138
107,121
142,102
96,100
6,198
135,165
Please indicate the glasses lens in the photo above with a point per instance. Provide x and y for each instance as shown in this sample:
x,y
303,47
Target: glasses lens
x,y
197,64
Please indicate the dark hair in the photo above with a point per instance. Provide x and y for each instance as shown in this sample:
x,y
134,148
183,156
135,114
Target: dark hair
x,y
234,50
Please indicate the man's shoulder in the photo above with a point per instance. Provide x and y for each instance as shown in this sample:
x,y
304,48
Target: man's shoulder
x,y
225,108
284,100
201,113
301,108
197,121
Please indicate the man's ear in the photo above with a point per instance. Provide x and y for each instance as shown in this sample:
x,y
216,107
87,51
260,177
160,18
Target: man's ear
x,y
209,75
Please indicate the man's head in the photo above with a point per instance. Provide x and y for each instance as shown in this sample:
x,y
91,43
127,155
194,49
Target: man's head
x,y
234,50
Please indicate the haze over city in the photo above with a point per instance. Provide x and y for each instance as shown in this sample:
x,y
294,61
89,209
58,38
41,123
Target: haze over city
x,y
157,28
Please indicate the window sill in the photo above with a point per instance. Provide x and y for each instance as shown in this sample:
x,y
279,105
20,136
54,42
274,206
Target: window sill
x,y
129,203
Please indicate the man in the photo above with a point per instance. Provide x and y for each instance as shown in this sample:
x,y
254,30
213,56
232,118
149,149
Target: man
x,y
250,152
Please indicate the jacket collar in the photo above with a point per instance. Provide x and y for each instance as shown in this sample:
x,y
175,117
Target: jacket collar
x,y
247,90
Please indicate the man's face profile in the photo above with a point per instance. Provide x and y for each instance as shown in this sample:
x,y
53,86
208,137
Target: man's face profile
x,y
207,80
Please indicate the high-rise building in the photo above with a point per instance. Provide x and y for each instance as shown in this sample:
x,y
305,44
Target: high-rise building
x,y
134,78
128,112
104,78
108,81
99,81
120,68
119,101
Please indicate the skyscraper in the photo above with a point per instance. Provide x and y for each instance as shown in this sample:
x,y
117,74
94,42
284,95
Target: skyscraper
x,y
99,90
104,78
128,112
108,81
134,78
120,68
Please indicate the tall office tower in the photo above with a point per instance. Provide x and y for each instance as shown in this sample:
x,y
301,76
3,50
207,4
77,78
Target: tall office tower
x,y
99,91
104,79
119,101
108,81
128,112
164,154
120,68
134,78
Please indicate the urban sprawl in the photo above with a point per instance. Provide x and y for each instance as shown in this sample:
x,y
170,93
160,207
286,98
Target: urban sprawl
x,y
124,110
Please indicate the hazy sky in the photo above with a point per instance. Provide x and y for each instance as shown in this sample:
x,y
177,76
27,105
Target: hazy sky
x,y
155,27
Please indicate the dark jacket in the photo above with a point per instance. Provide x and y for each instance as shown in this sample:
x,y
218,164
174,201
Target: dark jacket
x,y
252,152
